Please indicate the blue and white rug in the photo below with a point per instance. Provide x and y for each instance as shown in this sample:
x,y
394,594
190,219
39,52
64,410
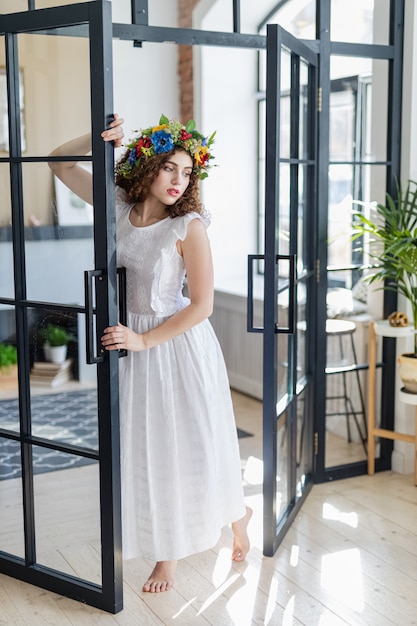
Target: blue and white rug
x,y
67,417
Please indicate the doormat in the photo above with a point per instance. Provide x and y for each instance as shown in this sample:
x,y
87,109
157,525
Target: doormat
x,y
67,417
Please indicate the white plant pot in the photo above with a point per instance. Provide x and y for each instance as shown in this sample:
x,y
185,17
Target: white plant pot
x,y
55,354
408,371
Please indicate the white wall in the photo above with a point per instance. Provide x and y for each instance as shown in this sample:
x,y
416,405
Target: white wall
x,y
145,78
227,103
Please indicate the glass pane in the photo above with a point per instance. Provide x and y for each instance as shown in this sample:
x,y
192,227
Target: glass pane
x,y
282,465
302,330
15,6
303,238
345,388
11,534
304,443
303,128
57,252
63,387
6,249
349,187
298,17
284,214
283,366
358,109
261,176
360,21
285,102
67,515
8,368
56,74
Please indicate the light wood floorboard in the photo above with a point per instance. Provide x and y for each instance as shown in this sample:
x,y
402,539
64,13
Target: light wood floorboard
x,y
350,558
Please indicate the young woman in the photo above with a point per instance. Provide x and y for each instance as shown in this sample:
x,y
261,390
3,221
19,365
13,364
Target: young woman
x,y
181,476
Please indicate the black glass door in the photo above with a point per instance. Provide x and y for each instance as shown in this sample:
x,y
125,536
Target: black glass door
x,y
59,444
289,285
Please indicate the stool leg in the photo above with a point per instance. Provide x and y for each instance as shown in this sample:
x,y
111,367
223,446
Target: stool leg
x,y
358,382
371,399
345,393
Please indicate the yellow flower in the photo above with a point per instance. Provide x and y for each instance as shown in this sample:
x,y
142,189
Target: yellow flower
x,y
199,155
160,127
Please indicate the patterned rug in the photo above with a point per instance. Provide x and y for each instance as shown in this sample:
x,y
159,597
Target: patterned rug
x,y
67,417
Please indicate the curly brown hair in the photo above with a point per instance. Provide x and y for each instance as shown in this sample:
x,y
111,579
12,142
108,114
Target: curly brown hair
x,y
140,179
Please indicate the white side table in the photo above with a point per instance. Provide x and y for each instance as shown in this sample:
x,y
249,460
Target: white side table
x,y
384,329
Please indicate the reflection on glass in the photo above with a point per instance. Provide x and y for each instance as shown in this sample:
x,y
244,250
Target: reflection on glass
x,y
360,21
282,465
11,535
67,515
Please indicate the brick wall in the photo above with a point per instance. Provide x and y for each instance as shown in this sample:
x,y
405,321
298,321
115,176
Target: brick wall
x,y
185,62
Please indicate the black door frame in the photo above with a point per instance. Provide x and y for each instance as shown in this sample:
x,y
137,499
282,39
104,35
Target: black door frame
x,y
108,595
393,54
275,525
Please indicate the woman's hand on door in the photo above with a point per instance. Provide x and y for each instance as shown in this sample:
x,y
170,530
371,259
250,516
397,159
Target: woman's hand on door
x,y
115,131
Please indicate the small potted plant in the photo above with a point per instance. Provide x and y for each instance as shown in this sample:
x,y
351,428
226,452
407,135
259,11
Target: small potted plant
x,y
56,339
8,359
8,367
391,230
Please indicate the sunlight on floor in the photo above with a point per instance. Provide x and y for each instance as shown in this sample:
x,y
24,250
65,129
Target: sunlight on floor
x,y
332,513
341,575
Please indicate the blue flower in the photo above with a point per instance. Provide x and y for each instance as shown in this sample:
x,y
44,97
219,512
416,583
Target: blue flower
x,y
162,141
132,156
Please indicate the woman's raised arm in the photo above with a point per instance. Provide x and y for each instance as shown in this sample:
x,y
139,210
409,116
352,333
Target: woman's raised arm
x,y
72,174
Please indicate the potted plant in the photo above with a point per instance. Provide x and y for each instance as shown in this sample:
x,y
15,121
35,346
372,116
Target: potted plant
x,y
391,230
8,367
8,359
56,339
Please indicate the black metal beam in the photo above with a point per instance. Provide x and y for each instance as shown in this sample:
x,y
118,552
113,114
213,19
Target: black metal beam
x,y
186,36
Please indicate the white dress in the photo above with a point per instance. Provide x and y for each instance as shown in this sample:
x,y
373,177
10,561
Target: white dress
x,y
181,475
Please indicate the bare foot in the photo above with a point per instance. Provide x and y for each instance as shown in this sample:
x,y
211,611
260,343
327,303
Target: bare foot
x,y
241,542
162,577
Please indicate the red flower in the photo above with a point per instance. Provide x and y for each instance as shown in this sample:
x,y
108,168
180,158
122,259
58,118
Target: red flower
x,y
184,135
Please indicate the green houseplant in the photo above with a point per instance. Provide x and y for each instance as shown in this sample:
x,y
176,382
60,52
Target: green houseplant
x,y
8,358
56,339
391,232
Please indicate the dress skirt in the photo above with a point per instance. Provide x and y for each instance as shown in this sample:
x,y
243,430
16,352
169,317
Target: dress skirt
x,y
180,462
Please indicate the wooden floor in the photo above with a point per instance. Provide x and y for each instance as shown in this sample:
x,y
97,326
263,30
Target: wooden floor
x,y
349,558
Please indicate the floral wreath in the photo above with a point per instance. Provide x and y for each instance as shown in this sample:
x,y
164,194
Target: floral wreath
x,y
164,138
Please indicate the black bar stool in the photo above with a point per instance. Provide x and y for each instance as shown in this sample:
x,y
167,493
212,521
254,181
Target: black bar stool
x,y
338,329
